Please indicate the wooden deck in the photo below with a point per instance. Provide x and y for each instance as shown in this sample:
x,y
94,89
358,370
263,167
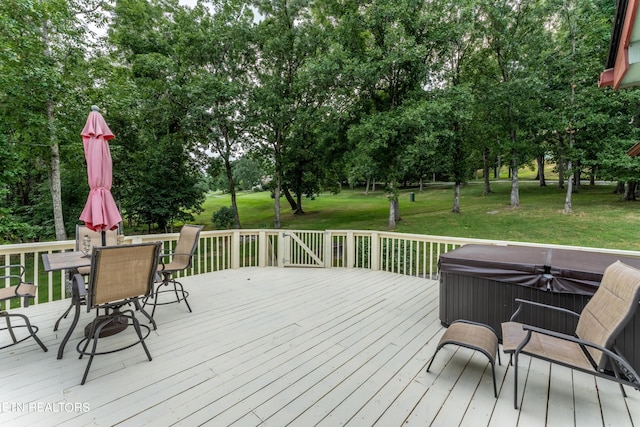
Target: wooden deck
x,y
301,347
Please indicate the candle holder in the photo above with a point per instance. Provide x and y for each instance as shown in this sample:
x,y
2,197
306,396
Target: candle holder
x,y
86,245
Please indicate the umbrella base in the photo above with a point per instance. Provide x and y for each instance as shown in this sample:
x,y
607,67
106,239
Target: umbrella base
x,y
114,326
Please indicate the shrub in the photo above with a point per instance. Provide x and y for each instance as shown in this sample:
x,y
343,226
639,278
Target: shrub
x,y
223,219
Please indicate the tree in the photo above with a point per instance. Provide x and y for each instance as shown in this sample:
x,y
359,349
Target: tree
x,y
216,47
152,84
43,79
512,30
460,40
390,48
286,41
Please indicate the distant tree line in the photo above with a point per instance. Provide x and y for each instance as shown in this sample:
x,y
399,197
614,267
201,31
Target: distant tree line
x,y
307,94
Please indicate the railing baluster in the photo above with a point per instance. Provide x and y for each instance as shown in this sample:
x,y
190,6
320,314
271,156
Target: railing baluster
x,y
409,254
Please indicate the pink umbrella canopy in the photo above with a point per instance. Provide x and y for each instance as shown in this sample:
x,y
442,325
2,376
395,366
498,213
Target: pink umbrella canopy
x,y
100,212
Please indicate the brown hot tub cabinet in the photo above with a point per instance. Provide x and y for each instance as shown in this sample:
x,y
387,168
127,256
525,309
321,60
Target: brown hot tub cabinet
x,y
481,282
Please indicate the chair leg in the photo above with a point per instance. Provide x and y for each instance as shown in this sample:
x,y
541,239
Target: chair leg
x,y
10,329
493,373
183,293
616,372
92,333
142,310
33,330
433,357
136,325
93,336
95,333
96,330
64,316
155,299
178,290
515,381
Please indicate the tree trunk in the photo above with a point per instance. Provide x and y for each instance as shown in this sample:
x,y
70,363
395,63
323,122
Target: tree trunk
x,y
291,200
515,193
485,170
299,210
392,215
630,191
572,96
541,177
560,166
567,199
366,188
456,198
54,173
232,191
56,190
276,204
394,207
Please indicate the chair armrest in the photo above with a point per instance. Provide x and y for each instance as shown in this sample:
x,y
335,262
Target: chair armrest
x,y
164,255
11,266
615,357
17,290
523,302
170,254
78,285
16,278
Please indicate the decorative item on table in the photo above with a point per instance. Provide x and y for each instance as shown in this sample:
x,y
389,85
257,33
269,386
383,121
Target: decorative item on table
x,y
86,246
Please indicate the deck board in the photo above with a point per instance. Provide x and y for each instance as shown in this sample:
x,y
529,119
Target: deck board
x,y
300,347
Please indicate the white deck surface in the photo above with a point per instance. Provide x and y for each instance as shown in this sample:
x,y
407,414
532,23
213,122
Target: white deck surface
x,y
301,347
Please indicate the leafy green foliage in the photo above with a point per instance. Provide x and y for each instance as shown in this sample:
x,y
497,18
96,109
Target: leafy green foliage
x,y
223,218
311,94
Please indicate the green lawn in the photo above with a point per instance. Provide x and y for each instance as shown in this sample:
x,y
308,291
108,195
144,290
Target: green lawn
x,y
599,219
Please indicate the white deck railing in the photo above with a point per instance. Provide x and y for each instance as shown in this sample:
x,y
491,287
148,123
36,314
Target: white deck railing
x,y
408,254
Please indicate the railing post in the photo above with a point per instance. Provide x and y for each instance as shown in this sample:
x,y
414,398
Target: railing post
x,y
262,248
328,249
281,242
351,249
374,253
235,249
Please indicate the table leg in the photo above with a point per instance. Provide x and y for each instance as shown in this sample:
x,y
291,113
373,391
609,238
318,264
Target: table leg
x,y
77,303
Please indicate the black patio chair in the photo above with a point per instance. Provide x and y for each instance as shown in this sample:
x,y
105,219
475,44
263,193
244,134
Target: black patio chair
x,y
180,259
120,276
17,290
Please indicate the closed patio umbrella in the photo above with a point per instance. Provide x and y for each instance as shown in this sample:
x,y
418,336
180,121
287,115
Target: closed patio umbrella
x,y
100,212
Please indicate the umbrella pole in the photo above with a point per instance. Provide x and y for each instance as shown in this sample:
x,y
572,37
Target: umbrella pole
x,y
104,238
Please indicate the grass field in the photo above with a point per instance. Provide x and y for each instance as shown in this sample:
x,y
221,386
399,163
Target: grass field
x,y
599,219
